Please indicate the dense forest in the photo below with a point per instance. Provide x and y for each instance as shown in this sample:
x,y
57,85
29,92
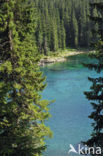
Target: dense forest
x,y
29,28
64,23
22,110
95,95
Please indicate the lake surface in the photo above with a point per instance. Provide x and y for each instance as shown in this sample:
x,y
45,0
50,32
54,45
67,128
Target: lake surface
x,y
70,124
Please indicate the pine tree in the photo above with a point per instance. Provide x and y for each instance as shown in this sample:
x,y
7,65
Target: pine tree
x,y
63,35
39,36
64,24
74,30
54,37
95,95
22,111
88,33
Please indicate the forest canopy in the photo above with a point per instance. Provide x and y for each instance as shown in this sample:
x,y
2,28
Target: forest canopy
x,y
64,23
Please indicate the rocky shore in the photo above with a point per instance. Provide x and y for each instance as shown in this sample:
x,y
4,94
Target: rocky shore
x,y
61,58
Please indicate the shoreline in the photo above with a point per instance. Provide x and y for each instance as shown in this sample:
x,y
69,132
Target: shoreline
x,y
62,57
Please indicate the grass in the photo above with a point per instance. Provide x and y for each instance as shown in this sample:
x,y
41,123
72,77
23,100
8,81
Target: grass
x,y
62,53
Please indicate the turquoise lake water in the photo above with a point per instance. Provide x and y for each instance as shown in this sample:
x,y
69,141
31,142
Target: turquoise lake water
x,y
70,124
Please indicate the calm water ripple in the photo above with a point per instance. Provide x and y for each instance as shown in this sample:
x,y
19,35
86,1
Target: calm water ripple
x,y
69,122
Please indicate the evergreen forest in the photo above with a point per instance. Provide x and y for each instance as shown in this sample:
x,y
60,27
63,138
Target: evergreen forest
x,y
29,30
64,23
